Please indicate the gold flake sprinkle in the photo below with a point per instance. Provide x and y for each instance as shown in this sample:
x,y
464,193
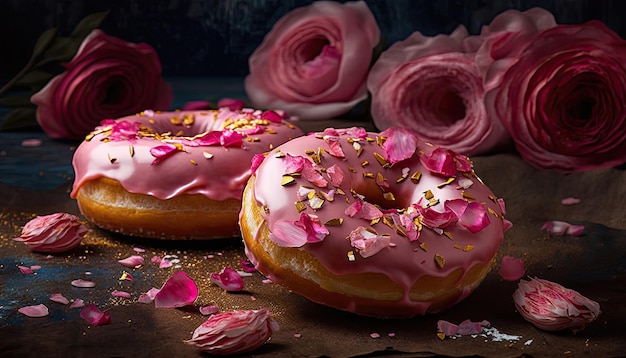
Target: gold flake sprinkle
x,y
340,191
352,169
300,206
389,196
457,246
440,261
381,160
441,335
489,209
207,155
309,152
287,179
175,120
415,177
400,231
111,159
279,154
351,256
368,175
315,202
467,195
270,131
131,150
188,119
374,221
468,248
428,194
380,140
447,234
334,222
433,202
450,180
424,246
316,158
364,163
193,162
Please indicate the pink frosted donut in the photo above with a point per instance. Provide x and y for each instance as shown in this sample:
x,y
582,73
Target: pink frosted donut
x,y
173,175
377,224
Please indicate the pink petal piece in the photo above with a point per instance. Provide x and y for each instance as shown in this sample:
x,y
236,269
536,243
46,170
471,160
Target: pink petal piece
x,y
247,266
561,228
552,307
209,310
367,242
94,316
570,201
34,142
472,215
400,144
464,328
83,283
228,279
39,310
231,103
512,268
179,290
139,250
235,332
132,261
59,298
25,270
121,294
78,303
148,297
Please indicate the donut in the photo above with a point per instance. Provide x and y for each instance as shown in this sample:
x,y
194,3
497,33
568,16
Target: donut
x,y
173,175
378,224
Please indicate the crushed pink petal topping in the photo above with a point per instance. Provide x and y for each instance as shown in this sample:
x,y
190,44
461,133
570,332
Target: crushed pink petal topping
x,y
472,216
570,201
234,332
120,130
53,233
230,138
293,164
552,307
336,175
179,290
209,310
310,173
256,161
83,283
367,242
334,147
162,152
435,219
132,261
440,161
59,298
94,316
561,228
247,266
400,144
39,310
272,116
228,279
363,210
511,268
307,229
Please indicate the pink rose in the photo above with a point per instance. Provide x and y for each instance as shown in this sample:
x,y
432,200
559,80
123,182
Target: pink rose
x,y
552,307
562,99
53,233
107,78
234,332
314,62
433,86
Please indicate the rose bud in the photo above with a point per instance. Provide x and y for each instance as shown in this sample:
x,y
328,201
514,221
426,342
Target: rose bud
x,y
552,307
234,332
53,233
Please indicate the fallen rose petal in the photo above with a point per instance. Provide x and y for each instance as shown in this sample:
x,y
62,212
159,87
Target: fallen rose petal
x,y
34,142
149,296
78,303
560,228
83,283
235,332
39,310
228,279
247,266
132,261
139,250
179,290
165,264
35,267
208,310
25,270
94,316
512,268
59,298
121,294
126,277
570,201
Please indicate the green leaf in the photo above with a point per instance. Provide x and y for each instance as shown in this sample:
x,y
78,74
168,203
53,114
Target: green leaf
x,y
20,118
15,101
43,41
88,24
62,50
34,77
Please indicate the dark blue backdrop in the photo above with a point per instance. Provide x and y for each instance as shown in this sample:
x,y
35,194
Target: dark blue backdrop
x,y
215,37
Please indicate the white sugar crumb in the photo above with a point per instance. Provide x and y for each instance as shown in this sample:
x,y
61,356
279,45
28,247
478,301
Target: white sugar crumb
x,y
496,336
528,342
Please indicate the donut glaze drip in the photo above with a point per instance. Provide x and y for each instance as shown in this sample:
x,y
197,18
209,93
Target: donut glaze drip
x,y
185,152
373,174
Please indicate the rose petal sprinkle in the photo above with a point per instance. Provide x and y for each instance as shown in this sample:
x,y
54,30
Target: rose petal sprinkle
x,y
59,298
39,310
179,290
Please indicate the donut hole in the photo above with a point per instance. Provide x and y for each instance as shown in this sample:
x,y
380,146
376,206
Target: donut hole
x,y
387,198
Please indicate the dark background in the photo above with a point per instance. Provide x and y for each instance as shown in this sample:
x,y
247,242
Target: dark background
x,y
213,38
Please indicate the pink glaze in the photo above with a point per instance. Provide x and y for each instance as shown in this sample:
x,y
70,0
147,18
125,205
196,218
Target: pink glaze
x,y
405,261
219,171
